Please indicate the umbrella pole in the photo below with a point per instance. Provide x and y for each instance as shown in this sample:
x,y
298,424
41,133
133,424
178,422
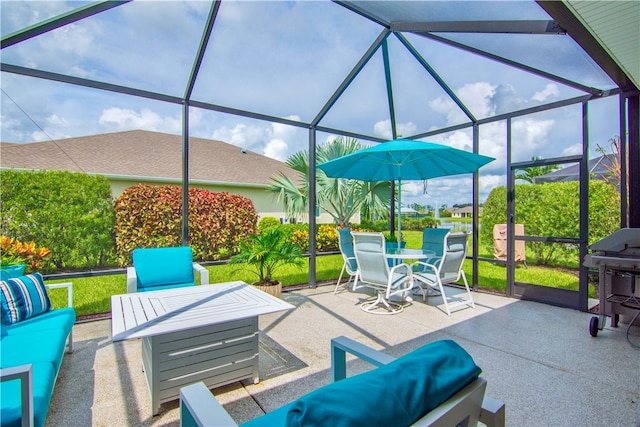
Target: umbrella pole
x,y
399,213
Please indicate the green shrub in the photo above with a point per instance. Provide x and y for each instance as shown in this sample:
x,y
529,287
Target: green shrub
x,y
151,216
419,224
267,223
553,210
69,213
326,236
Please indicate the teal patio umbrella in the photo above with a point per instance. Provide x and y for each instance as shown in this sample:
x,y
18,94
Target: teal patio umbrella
x,y
404,159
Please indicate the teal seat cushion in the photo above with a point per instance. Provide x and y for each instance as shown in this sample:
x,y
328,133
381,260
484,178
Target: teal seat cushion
x,y
63,318
397,394
43,377
160,287
43,346
163,266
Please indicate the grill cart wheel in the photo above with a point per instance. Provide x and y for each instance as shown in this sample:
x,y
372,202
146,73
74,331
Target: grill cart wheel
x,y
593,326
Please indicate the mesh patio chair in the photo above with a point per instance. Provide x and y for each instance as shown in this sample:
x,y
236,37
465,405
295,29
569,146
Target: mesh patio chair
x,y
433,240
350,266
446,270
375,273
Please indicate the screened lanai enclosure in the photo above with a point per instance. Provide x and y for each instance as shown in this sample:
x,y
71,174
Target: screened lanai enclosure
x,y
530,83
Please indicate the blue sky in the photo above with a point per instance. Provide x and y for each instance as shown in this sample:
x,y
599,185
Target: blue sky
x,y
286,59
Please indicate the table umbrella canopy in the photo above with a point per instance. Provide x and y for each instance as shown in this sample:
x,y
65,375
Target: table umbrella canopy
x,y
404,159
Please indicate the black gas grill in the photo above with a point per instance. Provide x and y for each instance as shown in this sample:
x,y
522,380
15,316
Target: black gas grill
x,y
617,258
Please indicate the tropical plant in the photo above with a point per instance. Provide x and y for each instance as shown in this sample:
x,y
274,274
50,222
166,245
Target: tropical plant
x,y
14,252
340,198
266,252
614,166
528,174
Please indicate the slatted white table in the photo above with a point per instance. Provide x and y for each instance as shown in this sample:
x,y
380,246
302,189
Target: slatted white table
x,y
202,333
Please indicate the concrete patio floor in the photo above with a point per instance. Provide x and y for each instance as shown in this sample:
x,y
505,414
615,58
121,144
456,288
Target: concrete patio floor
x,y
538,359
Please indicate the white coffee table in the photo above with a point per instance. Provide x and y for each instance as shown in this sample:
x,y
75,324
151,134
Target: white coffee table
x,y
200,333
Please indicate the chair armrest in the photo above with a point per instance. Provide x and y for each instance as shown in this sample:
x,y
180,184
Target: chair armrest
x,y
22,373
425,266
198,407
132,280
67,285
492,413
204,273
342,345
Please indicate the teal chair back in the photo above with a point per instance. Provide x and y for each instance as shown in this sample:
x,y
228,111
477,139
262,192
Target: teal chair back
x,y
345,242
162,268
433,240
371,256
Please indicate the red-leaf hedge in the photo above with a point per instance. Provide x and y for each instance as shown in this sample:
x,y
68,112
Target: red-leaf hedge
x,y
151,216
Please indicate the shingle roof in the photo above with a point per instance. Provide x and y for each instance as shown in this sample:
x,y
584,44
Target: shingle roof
x,y
145,154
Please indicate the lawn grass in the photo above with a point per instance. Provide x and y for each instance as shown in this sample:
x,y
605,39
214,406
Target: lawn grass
x,y
92,295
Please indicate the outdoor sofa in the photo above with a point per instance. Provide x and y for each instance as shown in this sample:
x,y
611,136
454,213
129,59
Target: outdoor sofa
x,y
32,344
437,384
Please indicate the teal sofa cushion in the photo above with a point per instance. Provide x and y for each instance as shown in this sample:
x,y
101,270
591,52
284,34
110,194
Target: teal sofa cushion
x,y
44,377
23,297
270,419
62,318
43,346
396,394
164,266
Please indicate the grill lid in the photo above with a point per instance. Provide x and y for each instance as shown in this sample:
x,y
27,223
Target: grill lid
x,y
619,241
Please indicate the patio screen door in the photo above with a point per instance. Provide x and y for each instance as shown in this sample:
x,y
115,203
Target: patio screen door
x,y
551,260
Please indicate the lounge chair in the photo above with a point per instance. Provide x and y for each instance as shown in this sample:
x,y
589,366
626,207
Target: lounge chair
x,y
350,266
164,268
435,385
375,273
446,270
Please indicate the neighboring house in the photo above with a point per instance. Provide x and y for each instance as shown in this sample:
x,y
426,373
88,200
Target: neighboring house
x,y
599,168
466,212
139,156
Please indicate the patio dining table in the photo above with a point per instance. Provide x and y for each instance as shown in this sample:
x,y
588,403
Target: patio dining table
x,y
402,254
203,333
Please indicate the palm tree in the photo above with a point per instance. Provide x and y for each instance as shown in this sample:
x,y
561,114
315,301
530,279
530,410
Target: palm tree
x,y
528,174
340,198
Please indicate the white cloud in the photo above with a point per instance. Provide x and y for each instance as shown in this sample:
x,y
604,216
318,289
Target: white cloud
x,y
531,137
383,129
55,120
573,150
124,119
476,96
274,140
549,91
241,135
277,149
